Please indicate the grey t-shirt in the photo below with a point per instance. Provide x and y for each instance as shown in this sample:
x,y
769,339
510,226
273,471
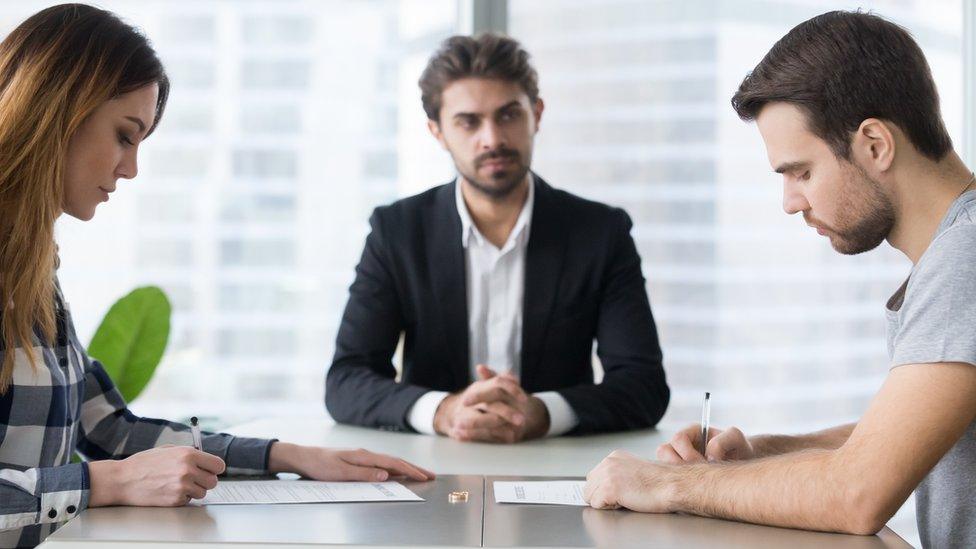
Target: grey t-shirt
x,y
932,318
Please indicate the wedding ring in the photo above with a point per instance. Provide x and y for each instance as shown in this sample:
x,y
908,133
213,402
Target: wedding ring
x,y
457,497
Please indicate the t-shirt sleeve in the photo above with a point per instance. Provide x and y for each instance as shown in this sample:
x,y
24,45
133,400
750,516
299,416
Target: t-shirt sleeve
x,y
938,316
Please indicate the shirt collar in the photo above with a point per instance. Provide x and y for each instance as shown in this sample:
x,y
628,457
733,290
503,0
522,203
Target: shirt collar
x,y
519,231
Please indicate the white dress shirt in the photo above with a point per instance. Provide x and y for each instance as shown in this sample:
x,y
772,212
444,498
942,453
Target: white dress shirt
x,y
496,287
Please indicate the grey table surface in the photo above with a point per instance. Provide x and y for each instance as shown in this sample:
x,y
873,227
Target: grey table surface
x,y
433,522
436,522
519,525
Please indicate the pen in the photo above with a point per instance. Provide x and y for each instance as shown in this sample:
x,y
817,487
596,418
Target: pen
x,y
195,431
706,411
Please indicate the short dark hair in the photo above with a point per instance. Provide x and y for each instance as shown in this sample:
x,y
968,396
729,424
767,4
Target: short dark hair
x,y
488,55
842,68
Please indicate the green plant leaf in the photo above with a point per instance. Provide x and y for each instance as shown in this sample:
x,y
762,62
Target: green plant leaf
x,y
132,338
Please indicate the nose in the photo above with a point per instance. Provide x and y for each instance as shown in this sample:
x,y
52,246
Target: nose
x,y
793,199
491,136
128,167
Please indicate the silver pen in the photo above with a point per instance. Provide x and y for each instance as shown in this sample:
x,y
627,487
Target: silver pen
x,y
706,412
195,431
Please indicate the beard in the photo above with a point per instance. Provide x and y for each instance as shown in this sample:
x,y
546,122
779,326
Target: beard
x,y
867,217
502,182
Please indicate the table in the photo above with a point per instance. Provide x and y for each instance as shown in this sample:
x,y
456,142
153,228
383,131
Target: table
x,y
560,456
508,525
480,522
375,524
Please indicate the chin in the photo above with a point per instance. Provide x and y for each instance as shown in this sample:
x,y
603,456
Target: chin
x,y
81,214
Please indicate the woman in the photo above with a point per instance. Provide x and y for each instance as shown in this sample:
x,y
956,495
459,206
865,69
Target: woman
x,y
79,92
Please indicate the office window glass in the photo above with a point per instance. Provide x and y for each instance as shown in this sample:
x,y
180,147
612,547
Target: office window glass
x,y
288,122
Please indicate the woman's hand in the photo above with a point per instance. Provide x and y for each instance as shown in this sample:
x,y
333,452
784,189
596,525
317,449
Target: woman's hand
x,y
168,476
332,464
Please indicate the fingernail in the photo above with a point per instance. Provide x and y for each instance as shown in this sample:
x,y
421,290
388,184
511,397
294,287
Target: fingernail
x,y
381,475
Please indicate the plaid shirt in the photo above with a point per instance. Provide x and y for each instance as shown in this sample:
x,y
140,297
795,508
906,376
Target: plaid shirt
x,y
67,404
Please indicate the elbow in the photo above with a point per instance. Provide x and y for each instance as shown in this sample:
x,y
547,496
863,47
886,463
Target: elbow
x,y
867,511
334,405
865,524
657,404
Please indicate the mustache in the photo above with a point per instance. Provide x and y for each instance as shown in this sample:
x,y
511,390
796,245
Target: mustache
x,y
496,154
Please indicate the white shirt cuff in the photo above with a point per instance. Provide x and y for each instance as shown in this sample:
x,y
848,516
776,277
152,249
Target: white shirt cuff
x,y
562,418
421,415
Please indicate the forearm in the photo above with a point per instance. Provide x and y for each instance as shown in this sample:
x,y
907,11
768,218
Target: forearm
x,y
775,445
105,482
357,394
626,399
284,457
809,490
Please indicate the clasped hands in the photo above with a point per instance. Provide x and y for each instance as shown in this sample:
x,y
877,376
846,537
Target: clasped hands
x,y
493,409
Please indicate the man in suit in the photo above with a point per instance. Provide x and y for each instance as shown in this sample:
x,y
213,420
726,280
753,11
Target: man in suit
x,y
498,278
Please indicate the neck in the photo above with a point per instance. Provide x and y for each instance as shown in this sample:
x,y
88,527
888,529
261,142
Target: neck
x,y
923,192
495,217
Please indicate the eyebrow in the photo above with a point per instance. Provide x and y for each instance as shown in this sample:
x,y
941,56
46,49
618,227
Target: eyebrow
x,y
139,122
506,106
791,167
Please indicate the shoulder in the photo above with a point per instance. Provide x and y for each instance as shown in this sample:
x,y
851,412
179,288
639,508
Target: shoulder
x,y
953,248
585,212
948,263
414,208
413,212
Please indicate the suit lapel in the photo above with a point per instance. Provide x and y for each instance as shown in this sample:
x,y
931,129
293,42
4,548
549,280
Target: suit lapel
x,y
449,286
543,266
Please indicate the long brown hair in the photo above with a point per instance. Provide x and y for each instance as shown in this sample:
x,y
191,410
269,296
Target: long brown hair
x,y
56,68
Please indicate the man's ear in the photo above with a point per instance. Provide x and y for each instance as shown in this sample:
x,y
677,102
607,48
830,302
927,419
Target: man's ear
x,y
873,145
537,109
435,129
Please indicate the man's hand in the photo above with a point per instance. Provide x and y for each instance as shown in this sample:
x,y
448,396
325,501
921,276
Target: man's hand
x,y
624,480
723,445
333,465
492,409
168,476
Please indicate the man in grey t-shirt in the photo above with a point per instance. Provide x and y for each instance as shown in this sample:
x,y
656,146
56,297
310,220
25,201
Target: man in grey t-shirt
x,y
849,113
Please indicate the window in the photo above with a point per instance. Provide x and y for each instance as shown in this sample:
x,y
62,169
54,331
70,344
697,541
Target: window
x,y
288,123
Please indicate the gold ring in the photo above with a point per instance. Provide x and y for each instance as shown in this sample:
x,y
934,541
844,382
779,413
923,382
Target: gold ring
x,y
457,497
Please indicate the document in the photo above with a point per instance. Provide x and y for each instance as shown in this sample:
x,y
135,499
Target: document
x,y
242,492
546,492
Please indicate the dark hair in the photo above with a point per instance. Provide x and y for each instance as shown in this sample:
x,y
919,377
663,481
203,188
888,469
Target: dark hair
x,y
842,68
485,56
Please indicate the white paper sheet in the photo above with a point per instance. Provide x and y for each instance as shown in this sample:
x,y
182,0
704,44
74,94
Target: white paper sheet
x,y
547,492
241,492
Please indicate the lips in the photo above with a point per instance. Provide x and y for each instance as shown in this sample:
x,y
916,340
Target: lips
x,y
496,163
820,230
496,159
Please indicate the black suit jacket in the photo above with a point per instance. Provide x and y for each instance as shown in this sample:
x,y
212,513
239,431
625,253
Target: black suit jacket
x,y
583,282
